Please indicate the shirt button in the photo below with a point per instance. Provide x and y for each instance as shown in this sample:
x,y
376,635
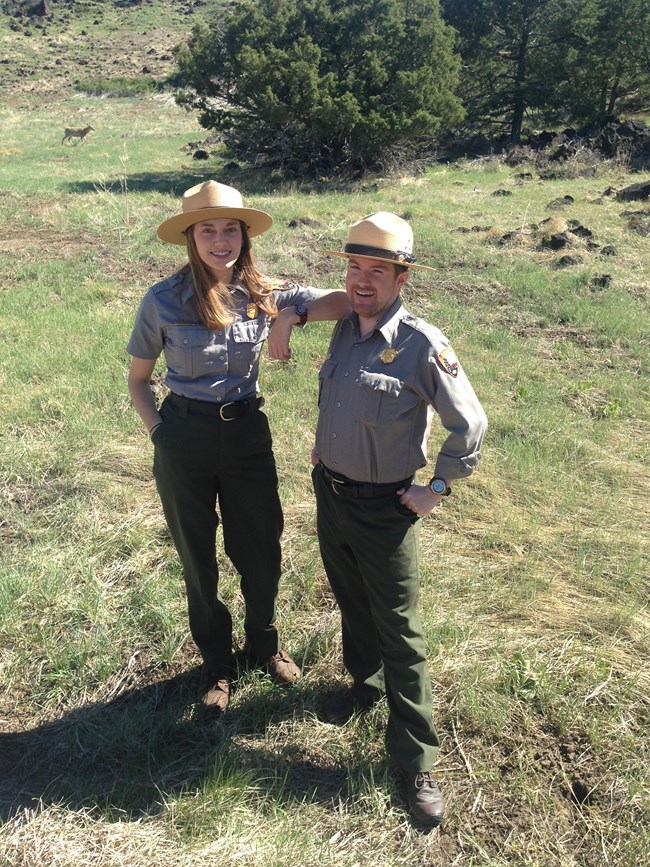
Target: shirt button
x,y
219,399
338,403
347,373
222,358
333,436
186,341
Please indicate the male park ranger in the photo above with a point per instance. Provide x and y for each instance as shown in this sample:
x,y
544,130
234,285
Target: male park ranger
x,y
386,373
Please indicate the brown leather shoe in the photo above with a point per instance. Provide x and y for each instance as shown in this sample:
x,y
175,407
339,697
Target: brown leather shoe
x,y
340,707
426,802
214,689
283,669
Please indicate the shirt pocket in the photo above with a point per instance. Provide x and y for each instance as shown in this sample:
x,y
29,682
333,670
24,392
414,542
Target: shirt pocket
x,y
186,348
245,345
379,398
325,375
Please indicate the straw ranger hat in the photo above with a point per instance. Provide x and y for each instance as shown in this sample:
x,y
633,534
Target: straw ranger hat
x,y
210,201
381,236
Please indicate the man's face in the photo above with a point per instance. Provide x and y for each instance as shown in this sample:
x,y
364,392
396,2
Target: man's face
x,y
372,286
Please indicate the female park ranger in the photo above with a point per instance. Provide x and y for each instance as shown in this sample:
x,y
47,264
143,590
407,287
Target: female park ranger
x,y
212,445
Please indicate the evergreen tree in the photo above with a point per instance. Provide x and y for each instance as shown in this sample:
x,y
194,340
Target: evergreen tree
x,y
558,61
497,40
322,83
603,67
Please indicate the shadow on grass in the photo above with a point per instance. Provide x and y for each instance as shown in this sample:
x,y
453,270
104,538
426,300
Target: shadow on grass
x,y
249,183
129,754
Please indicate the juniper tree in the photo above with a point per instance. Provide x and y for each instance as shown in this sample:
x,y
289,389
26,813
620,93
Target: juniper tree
x,y
321,83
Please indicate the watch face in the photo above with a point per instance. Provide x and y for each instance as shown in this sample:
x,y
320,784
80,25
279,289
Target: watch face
x,y
301,309
438,486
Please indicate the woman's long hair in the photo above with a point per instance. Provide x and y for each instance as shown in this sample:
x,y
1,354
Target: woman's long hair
x,y
213,299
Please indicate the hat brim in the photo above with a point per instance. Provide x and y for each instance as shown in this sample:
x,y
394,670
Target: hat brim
x,y
172,231
408,265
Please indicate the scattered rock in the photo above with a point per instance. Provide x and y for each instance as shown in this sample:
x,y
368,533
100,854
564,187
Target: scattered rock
x,y
580,231
200,155
303,221
567,261
519,238
601,281
559,204
556,241
502,193
635,192
609,250
639,226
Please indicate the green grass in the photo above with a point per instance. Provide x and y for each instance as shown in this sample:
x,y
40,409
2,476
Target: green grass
x,y
534,576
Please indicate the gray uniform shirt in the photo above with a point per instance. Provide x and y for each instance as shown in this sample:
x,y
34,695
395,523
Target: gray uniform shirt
x,y
377,398
203,364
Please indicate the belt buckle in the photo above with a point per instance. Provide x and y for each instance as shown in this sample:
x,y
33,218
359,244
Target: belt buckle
x,y
221,409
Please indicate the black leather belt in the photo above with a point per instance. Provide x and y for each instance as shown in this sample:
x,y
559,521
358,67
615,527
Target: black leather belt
x,y
345,487
230,411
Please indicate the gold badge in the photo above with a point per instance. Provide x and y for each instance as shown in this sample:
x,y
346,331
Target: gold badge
x,y
251,311
388,356
448,361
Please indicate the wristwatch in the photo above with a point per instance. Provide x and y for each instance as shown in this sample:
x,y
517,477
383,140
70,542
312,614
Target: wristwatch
x,y
440,487
302,312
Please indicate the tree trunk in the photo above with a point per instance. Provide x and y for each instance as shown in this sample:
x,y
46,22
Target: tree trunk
x,y
519,100
613,96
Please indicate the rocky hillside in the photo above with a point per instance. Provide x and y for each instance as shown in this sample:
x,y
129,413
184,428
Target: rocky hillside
x,y
49,46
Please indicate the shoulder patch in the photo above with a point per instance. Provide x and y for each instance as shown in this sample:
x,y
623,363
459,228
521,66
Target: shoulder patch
x,y
448,362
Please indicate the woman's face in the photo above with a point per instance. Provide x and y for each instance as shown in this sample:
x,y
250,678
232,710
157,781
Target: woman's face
x,y
218,243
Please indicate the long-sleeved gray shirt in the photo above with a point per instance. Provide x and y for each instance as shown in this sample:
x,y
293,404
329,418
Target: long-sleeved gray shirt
x,y
378,395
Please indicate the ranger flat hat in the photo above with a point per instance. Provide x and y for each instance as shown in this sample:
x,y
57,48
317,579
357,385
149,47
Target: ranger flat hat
x,y
381,236
212,201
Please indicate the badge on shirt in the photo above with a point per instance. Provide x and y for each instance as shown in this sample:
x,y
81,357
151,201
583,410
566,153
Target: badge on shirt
x,y
251,311
388,356
448,361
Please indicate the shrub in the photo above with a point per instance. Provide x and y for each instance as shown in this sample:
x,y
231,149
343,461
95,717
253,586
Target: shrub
x,y
322,83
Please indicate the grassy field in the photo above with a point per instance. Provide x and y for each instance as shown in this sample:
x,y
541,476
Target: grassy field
x,y
534,575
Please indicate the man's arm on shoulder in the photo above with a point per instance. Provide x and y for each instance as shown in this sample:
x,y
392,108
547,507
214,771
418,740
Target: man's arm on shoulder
x,y
331,306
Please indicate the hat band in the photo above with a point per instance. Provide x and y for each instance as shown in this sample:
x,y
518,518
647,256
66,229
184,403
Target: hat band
x,y
380,253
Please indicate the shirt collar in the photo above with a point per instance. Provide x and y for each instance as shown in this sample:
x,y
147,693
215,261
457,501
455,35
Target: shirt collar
x,y
388,323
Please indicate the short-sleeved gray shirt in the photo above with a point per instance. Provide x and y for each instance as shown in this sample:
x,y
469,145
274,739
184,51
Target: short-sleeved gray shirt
x,y
377,398
201,363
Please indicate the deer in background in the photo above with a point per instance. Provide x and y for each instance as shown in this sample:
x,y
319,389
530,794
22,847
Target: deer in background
x,y
69,134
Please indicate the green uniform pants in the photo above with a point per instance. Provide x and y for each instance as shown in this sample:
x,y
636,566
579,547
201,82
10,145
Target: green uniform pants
x,y
369,549
200,461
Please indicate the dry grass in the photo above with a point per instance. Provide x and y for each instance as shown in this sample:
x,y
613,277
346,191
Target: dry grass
x,y
534,577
